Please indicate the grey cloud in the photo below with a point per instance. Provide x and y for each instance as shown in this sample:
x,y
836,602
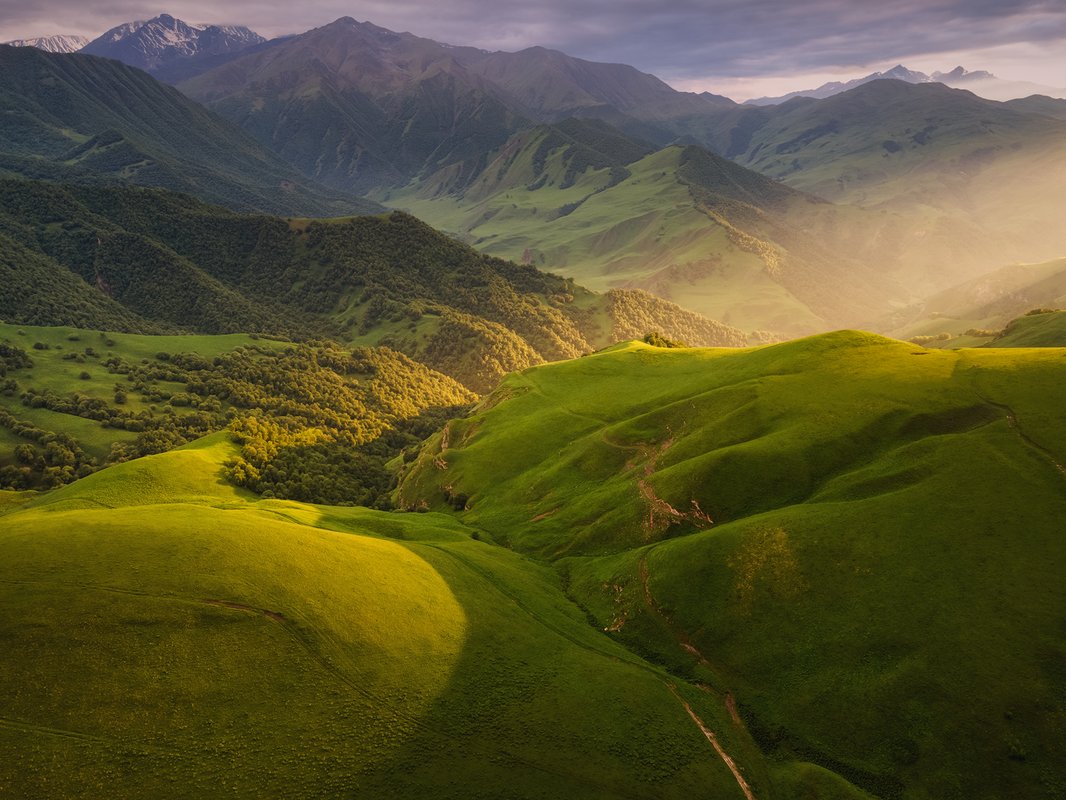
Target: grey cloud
x,y
676,39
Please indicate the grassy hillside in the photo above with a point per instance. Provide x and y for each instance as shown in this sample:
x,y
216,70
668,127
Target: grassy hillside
x,y
680,223
1039,328
150,261
854,540
185,639
78,118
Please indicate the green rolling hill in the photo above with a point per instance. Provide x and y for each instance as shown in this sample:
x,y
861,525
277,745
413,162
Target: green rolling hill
x,y
78,118
1039,328
852,541
189,638
302,497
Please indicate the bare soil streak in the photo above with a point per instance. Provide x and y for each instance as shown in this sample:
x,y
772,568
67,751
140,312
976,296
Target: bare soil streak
x,y
277,616
686,644
709,735
1012,420
545,515
660,514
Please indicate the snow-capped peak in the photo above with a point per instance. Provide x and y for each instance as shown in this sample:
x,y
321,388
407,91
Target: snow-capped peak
x,y
148,44
62,43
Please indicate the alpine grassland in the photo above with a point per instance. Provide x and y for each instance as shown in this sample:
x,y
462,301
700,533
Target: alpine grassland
x,y
169,635
1041,327
853,542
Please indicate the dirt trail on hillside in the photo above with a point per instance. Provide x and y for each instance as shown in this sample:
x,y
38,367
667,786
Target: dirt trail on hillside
x,y
1013,424
709,735
685,641
660,513
681,636
277,616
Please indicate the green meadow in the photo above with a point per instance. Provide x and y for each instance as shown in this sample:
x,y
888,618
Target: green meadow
x,y
809,569
168,635
857,539
70,361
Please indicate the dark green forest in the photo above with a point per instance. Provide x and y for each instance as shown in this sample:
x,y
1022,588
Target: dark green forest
x,y
149,261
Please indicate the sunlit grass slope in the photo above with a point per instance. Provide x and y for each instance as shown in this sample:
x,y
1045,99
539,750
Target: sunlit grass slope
x,y
164,635
859,538
1035,330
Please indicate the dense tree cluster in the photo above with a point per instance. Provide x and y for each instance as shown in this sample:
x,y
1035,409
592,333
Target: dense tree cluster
x,y
317,422
57,460
656,339
12,357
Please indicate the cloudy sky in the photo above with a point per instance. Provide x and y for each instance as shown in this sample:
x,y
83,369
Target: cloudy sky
x,y
742,48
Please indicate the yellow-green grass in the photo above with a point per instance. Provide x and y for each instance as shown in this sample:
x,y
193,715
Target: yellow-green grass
x,y
880,587
1035,330
166,636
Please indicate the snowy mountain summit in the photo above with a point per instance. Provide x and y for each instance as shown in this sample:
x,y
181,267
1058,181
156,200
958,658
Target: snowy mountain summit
x,y
53,44
152,43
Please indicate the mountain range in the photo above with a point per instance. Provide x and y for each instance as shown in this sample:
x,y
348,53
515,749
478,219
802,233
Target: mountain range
x,y
980,82
53,44
390,106
150,45
457,135
87,119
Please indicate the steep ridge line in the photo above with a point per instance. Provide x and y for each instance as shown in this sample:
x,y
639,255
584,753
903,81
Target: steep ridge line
x,y
709,734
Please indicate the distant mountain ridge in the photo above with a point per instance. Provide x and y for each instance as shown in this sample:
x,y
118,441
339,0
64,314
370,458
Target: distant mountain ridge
x,y
151,44
980,82
359,106
61,43
83,119
581,199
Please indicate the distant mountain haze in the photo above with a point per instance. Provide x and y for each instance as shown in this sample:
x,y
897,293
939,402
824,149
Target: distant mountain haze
x,y
980,82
